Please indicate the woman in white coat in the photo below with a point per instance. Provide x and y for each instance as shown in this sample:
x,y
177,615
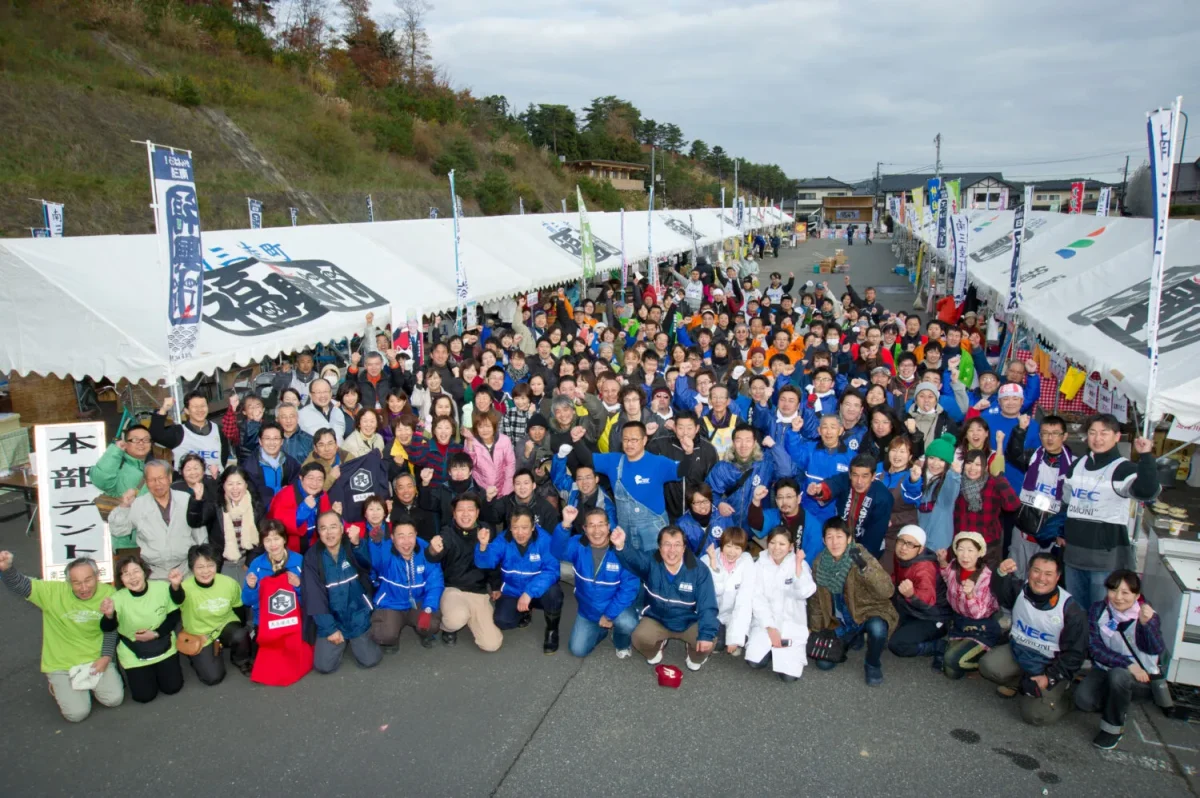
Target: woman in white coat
x,y
779,621
733,580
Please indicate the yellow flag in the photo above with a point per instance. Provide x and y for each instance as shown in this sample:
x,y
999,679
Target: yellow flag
x,y
919,205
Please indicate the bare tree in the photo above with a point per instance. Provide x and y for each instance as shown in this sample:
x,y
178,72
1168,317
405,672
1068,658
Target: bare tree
x,y
414,39
1139,195
306,27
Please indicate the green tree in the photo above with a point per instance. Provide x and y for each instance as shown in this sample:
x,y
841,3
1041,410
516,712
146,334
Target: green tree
x,y
553,126
495,194
672,138
699,151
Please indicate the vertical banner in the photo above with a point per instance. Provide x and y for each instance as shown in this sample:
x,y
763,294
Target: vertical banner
x,y
1077,197
587,248
52,213
651,262
1014,273
70,524
564,204
624,262
370,209
433,213
1103,202
955,189
1029,197
460,274
695,246
1162,128
919,205
933,192
942,219
40,232
739,205
903,200
255,213
295,214
959,228
721,217
1003,206
178,222
521,205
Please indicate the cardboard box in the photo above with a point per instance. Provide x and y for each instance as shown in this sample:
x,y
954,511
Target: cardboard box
x,y
839,259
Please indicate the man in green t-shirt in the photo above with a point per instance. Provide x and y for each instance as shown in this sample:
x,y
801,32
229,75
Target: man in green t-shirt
x,y
71,635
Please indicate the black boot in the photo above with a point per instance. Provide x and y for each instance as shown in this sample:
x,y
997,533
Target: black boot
x,y
449,638
550,645
526,619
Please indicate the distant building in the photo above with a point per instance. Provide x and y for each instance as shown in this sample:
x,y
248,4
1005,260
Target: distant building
x,y
1050,193
839,211
811,194
977,189
623,175
1186,190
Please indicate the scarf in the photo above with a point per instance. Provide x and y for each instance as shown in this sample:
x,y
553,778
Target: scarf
x,y
817,401
1110,630
518,374
272,469
831,573
243,511
702,520
1065,461
306,517
972,490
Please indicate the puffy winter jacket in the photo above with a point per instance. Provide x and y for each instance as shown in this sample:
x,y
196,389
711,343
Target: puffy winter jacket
x,y
531,569
261,567
495,468
735,594
606,592
114,473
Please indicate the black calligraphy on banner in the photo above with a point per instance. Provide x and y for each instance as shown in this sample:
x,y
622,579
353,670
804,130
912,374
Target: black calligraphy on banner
x,y
1003,246
568,239
682,227
71,525
1123,315
253,297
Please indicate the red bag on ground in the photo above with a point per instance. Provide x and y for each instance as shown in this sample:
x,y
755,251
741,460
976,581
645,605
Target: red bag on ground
x,y
669,676
283,656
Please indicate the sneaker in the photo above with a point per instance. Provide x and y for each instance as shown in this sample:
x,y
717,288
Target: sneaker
x,y
737,652
427,642
1006,691
657,658
693,666
937,663
874,675
1106,741
449,638
624,653
783,677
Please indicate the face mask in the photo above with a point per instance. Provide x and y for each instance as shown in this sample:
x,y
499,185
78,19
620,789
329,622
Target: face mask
x,y
832,342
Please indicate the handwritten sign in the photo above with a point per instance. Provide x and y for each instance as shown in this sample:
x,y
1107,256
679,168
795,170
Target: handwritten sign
x,y
70,523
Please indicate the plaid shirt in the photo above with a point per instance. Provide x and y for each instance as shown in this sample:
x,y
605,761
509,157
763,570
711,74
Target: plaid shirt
x,y
515,421
997,496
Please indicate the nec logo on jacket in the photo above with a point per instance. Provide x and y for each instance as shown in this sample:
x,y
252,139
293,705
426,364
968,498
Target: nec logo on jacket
x,y
535,557
685,587
1035,633
612,566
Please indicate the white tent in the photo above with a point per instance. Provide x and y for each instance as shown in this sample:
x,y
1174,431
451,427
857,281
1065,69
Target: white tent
x,y
1085,287
96,306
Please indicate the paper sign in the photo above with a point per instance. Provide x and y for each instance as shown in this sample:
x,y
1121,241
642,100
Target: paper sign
x,y
1183,432
69,522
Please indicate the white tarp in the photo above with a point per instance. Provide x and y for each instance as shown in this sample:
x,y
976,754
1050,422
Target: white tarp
x,y
95,306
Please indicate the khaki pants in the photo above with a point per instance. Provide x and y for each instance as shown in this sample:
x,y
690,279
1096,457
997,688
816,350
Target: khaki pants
x,y
474,611
386,625
76,705
999,666
650,634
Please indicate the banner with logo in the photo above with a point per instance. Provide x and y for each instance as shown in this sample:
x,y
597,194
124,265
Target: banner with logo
x,y
933,192
1029,197
461,289
255,213
739,205
1161,133
588,249
919,205
179,228
1077,197
295,214
1014,274
1055,207
52,213
370,209
1104,201
955,190
70,524
40,232
433,213
1003,206
943,217
624,262
959,228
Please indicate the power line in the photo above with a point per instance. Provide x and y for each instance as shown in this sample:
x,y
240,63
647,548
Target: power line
x,y
1057,160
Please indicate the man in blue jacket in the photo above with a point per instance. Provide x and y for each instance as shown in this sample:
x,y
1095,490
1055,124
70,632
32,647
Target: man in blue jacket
x,y
862,502
410,587
335,592
529,571
604,588
680,602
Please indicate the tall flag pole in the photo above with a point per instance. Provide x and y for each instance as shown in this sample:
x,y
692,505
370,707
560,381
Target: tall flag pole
x,y
460,275
1103,203
651,265
370,209
624,262
1162,132
587,248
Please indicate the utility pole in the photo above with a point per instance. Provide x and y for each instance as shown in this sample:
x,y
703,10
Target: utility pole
x,y
651,177
1124,183
878,164
937,141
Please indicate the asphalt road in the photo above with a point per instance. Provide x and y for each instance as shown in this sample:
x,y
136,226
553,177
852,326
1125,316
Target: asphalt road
x,y
457,722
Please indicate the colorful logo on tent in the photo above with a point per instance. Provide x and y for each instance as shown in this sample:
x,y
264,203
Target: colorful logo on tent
x,y
1070,250
985,224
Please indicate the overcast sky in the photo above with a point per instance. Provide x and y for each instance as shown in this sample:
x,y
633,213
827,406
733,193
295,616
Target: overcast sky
x,y
829,88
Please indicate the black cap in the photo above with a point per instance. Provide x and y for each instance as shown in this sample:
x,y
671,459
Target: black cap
x,y
538,420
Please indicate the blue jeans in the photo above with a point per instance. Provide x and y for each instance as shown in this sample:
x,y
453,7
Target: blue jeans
x,y
586,635
1087,587
876,630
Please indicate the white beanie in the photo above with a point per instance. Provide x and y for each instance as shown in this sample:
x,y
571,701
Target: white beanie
x,y
913,531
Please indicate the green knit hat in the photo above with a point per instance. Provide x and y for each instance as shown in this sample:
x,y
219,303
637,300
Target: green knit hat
x,y
942,448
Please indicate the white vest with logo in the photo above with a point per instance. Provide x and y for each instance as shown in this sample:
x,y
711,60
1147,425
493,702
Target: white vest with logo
x,y
1126,644
1039,630
1092,494
300,388
207,446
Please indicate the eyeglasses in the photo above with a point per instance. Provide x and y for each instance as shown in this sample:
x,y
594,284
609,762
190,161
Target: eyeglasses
x,y
138,440
908,544
1046,433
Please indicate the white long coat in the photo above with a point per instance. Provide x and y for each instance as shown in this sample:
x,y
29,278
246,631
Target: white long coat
x,y
780,602
735,592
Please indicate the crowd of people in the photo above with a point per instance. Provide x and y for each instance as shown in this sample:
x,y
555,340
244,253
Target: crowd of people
x,y
788,479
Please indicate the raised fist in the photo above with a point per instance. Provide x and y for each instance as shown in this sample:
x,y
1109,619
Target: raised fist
x,y
618,538
128,497
251,581
569,514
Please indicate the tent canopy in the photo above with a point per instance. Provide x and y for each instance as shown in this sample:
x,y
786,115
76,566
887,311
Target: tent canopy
x,y
95,306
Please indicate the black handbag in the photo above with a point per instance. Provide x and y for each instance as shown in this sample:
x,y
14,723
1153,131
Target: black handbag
x,y
825,645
